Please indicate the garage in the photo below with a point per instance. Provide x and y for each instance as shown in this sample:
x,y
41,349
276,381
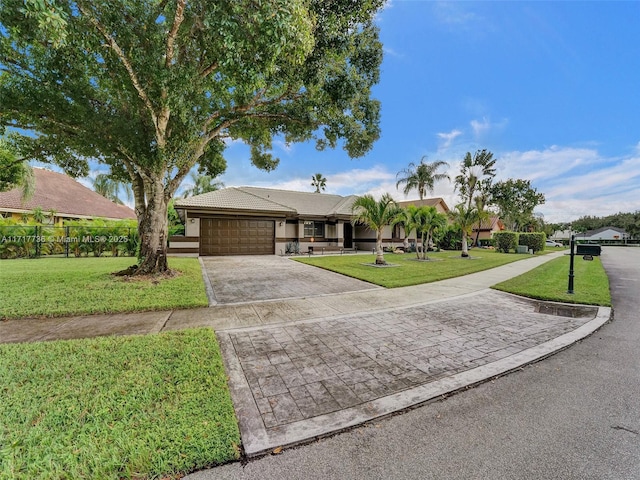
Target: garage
x,y
222,236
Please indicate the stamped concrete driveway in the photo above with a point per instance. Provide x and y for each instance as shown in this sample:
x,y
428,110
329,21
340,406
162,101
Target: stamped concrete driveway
x,y
250,278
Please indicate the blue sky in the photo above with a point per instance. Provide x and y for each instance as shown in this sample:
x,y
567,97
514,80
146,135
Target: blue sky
x,y
551,88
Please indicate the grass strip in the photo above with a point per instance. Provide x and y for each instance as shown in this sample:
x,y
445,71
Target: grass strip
x,y
550,281
409,271
115,407
76,286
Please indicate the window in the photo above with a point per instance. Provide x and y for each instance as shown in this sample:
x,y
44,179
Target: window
x,y
313,229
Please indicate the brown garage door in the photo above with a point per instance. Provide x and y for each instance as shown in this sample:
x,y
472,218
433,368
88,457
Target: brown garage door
x,y
236,237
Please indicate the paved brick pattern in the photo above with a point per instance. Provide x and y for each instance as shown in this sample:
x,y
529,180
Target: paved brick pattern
x,y
302,370
267,277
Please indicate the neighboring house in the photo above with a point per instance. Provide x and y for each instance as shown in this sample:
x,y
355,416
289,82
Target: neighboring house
x,y
61,194
487,228
263,221
604,233
437,202
562,236
398,233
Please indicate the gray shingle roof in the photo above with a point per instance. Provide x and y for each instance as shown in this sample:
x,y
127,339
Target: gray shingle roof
x,y
272,200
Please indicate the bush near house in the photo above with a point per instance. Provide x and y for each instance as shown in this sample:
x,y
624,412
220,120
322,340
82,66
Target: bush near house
x,y
534,240
97,237
505,241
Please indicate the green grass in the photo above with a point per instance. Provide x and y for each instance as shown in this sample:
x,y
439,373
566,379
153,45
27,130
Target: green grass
x,y
76,286
550,282
115,407
411,272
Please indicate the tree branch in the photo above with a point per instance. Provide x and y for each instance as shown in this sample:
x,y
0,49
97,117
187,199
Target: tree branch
x,y
125,62
209,69
171,38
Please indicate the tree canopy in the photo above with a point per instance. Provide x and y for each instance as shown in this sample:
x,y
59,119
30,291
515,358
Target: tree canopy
x,y
476,176
319,182
421,177
152,88
201,184
377,214
516,200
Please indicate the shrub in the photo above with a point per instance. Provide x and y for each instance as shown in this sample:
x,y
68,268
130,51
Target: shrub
x,y
505,241
534,241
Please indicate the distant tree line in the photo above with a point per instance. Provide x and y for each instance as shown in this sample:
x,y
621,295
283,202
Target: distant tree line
x,y
630,222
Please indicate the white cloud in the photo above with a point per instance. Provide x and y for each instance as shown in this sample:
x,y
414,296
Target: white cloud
x,y
390,51
453,13
576,181
480,127
284,146
484,126
448,138
548,163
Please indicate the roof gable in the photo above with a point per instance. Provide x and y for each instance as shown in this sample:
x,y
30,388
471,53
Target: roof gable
x,y
59,192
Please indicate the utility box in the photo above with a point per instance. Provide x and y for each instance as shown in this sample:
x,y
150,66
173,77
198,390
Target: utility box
x,y
588,249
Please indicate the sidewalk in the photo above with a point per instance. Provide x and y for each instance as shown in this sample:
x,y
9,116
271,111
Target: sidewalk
x,y
306,367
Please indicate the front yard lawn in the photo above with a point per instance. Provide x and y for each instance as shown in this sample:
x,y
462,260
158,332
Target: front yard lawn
x,y
76,286
550,281
115,407
410,271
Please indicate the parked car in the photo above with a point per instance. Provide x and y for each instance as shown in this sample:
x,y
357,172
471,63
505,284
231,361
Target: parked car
x,y
551,243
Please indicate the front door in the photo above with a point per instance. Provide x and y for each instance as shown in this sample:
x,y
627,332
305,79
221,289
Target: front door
x,y
348,235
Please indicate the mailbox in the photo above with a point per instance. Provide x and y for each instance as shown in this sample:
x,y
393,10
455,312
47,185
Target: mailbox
x,y
588,249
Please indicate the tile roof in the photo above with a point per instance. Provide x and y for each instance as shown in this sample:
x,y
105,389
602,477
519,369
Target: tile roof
x,y
272,200
490,224
69,198
426,202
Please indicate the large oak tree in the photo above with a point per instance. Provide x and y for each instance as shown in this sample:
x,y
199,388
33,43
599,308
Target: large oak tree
x,y
153,88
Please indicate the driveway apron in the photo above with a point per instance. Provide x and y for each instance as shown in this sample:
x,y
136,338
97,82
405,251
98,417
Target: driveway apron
x,y
297,381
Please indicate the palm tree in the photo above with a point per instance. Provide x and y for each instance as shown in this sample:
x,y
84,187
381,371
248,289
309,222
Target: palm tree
x,y
465,217
476,175
109,187
376,215
424,220
14,170
319,182
201,184
481,201
421,177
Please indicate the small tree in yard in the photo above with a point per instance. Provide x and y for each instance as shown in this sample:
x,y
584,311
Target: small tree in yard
x,y
376,215
424,220
151,88
464,217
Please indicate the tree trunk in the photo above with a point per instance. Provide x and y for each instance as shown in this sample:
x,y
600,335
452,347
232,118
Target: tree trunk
x,y
153,227
379,252
424,248
426,257
465,249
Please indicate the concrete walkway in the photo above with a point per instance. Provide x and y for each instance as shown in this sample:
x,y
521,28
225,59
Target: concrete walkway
x,y
301,368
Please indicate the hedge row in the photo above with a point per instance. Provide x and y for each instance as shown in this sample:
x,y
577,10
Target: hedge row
x,y
508,241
